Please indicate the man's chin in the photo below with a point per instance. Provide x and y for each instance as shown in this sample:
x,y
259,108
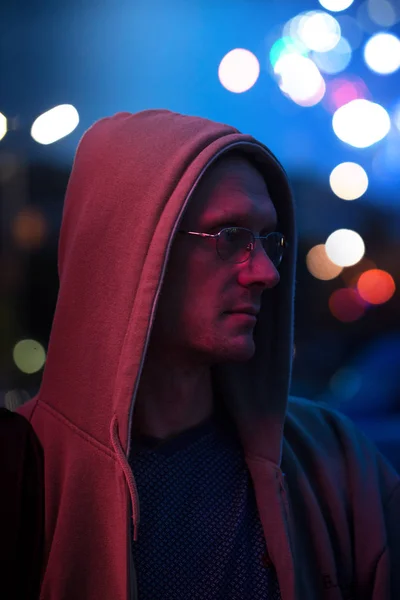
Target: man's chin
x,y
238,351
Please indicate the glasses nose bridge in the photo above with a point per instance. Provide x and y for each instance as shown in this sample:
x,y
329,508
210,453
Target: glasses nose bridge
x,y
250,246
253,244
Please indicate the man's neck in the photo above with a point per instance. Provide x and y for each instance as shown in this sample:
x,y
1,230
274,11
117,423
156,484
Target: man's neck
x,y
171,399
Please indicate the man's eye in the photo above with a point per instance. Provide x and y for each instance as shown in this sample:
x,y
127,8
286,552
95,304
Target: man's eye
x,y
218,228
215,229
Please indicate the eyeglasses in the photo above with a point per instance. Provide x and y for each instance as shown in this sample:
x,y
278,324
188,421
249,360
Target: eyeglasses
x,y
237,243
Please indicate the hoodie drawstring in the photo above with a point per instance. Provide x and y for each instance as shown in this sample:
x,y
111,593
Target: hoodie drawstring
x,y
122,459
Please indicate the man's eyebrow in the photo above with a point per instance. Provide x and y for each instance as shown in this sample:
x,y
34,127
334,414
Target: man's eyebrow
x,y
269,221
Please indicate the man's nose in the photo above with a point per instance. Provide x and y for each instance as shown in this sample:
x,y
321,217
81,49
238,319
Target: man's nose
x,y
260,269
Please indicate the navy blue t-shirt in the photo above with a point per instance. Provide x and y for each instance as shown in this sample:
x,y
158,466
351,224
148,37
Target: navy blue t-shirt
x,y
200,535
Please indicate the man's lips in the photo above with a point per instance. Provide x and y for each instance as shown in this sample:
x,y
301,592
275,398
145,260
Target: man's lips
x,y
242,316
249,310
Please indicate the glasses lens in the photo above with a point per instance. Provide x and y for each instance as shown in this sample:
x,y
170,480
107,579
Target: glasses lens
x,y
274,246
234,244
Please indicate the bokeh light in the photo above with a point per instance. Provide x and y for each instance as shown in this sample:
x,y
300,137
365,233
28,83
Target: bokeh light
x,y
291,27
351,30
29,356
346,305
29,228
348,181
9,166
361,123
320,265
286,45
336,5
345,247
239,70
382,12
55,124
369,12
300,79
341,91
364,20
319,31
3,125
335,60
345,383
376,286
382,53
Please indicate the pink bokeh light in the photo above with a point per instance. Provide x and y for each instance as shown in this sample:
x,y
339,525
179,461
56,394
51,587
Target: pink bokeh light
x,y
341,91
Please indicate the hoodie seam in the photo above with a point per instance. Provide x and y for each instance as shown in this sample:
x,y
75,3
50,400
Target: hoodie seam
x,y
260,460
82,434
33,411
379,558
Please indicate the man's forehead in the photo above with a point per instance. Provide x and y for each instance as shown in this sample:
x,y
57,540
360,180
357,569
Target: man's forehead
x,y
233,187
233,170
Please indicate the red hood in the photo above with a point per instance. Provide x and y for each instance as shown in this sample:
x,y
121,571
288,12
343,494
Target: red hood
x,y
131,179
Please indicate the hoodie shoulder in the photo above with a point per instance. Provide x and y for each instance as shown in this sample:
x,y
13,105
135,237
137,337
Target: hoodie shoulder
x,y
326,431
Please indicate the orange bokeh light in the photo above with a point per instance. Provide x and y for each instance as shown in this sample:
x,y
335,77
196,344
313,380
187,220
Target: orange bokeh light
x,y
376,286
346,305
29,228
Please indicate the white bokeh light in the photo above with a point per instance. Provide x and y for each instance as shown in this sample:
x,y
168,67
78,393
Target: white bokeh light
x,y
361,123
55,124
348,181
345,247
319,31
382,53
300,79
239,70
336,5
3,125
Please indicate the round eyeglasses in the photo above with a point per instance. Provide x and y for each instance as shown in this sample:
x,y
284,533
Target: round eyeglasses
x,y
237,243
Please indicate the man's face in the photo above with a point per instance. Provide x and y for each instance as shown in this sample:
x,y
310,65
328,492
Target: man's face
x,y
199,288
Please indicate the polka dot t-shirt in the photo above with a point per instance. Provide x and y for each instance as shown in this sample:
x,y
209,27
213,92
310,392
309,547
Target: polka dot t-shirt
x,y
200,536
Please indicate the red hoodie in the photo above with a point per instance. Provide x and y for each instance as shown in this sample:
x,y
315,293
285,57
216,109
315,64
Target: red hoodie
x,y
328,502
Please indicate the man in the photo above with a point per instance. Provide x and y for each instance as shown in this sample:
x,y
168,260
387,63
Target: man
x,y
176,465
198,323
